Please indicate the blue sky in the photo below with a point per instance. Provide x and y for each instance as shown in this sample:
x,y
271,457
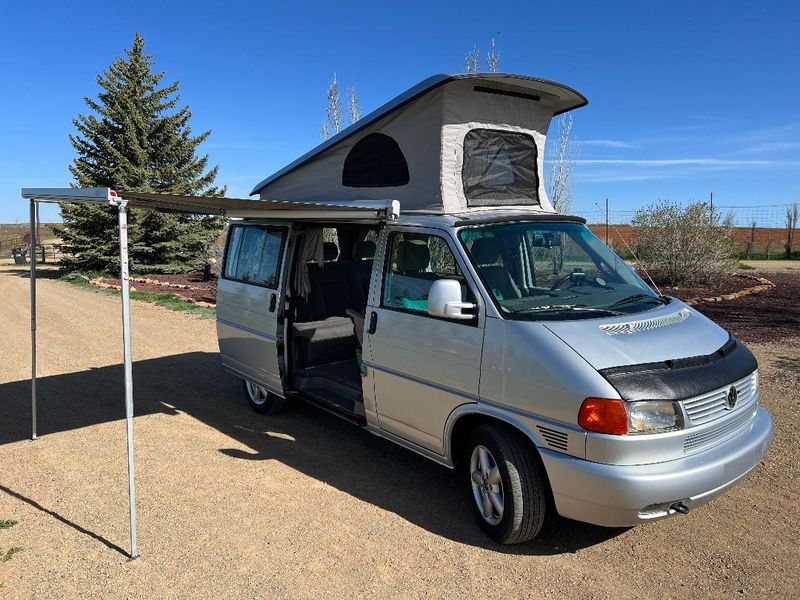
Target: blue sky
x,y
685,97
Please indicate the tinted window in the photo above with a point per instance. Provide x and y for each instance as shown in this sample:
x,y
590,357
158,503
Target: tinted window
x,y
416,261
254,255
499,168
375,161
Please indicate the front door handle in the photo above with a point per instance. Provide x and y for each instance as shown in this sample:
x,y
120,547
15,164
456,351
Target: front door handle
x,y
273,299
373,323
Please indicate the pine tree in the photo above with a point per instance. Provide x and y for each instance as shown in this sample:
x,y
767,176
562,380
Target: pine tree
x,y
136,138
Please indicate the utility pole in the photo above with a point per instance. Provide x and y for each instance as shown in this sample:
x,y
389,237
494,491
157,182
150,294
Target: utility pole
x,y
606,221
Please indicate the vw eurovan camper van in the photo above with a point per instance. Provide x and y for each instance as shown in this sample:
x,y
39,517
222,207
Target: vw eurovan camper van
x,y
416,281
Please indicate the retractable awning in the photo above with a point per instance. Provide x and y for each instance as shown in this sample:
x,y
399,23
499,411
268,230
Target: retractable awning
x,y
378,211
236,208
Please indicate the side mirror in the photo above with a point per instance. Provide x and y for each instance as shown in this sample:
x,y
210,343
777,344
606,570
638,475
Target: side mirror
x,y
444,300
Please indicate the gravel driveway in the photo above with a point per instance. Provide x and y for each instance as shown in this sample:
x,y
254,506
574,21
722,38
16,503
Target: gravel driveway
x,y
233,504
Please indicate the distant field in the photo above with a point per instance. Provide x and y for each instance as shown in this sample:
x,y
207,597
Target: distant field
x,y
11,234
11,230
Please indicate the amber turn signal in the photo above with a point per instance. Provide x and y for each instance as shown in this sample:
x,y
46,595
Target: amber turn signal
x,y
603,415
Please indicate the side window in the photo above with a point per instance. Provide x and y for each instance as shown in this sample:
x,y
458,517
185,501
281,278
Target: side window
x,y
254,256
415,262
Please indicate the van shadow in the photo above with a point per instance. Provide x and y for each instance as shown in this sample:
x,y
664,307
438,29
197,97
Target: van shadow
x,y
325,447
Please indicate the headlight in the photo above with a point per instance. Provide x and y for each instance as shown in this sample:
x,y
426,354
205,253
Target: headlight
x,y
605,415
654,416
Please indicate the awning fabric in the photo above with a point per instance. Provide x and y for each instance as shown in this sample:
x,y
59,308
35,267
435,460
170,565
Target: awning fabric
x,y
376,210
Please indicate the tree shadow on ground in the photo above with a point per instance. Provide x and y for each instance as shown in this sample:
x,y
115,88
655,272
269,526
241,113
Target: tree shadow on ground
x,y
327,448
47,271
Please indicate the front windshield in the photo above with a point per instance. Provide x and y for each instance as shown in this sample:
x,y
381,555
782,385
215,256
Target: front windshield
x,y
554,270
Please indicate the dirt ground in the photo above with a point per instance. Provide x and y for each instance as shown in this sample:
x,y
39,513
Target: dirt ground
x,y
237,505
767,316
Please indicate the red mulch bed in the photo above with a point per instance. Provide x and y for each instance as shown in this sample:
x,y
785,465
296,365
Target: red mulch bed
x,y
199,290
761,317
726,285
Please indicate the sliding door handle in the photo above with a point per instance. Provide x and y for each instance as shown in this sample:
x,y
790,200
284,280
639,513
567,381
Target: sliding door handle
x,y
373,323
273,300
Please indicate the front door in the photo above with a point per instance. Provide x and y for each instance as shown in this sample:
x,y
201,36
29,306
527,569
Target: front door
x,y
248,302
423,366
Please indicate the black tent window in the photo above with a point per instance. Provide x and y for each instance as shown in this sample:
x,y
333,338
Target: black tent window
x,y
375,161
500,168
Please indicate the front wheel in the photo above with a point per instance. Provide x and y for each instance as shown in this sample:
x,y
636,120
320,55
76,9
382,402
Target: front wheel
x,y
507,485
261,400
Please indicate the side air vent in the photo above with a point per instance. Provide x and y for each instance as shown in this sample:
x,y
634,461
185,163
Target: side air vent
x,y
645,324
557,440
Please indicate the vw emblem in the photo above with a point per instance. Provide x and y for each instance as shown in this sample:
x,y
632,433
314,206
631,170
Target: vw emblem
x,y
732,397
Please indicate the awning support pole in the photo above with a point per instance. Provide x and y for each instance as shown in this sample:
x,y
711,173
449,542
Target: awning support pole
x,y
126,342
32,259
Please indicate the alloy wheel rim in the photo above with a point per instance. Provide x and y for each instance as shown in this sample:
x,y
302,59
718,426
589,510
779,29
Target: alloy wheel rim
x,y
487,485
257,393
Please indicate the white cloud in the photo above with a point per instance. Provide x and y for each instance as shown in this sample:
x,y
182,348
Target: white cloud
x,y
607,143
688,162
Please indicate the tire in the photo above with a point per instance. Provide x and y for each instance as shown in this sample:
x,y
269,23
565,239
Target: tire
x,y
519,481
262,401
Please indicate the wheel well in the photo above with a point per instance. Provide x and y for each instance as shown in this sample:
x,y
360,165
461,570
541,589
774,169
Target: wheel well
x,y
459,436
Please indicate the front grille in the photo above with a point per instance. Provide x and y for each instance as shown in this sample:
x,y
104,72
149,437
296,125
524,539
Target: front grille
x,y
712,434
558,440
711,406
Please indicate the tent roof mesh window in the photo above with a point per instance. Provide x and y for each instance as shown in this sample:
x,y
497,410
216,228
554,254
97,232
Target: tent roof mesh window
x,y
375,161
500,168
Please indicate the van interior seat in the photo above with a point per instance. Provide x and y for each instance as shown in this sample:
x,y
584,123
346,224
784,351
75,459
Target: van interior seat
x,y
323,330
330,251
486,252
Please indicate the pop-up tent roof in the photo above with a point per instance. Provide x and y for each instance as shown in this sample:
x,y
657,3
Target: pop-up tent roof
x,y
449,144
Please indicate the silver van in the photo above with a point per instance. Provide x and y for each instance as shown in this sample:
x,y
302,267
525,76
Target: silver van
x,y
502,337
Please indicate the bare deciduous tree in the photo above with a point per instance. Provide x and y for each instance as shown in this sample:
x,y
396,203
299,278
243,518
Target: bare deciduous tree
x,y
493,58
333,111
792,215
562,163
353,106
472,60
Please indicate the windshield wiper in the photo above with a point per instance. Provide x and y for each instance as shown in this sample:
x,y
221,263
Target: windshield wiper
x,y
570,308
636,298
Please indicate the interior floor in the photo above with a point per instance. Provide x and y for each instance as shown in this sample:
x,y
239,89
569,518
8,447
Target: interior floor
x,y
337,384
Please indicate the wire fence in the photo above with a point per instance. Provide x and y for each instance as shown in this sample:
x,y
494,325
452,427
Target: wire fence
x,y
764,216
760,231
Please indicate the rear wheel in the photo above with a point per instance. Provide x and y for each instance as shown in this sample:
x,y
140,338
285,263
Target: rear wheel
x,y
263,401
507,484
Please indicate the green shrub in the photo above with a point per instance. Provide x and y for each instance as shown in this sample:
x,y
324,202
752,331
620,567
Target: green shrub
x,y
680,245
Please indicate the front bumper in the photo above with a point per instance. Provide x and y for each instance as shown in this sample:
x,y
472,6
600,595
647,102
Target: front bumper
x,y
625,495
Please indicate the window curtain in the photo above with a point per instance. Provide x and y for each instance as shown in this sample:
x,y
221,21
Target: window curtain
x,y
311,249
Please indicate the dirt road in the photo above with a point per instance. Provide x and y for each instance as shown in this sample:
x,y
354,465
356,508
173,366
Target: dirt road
x,y
233,504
